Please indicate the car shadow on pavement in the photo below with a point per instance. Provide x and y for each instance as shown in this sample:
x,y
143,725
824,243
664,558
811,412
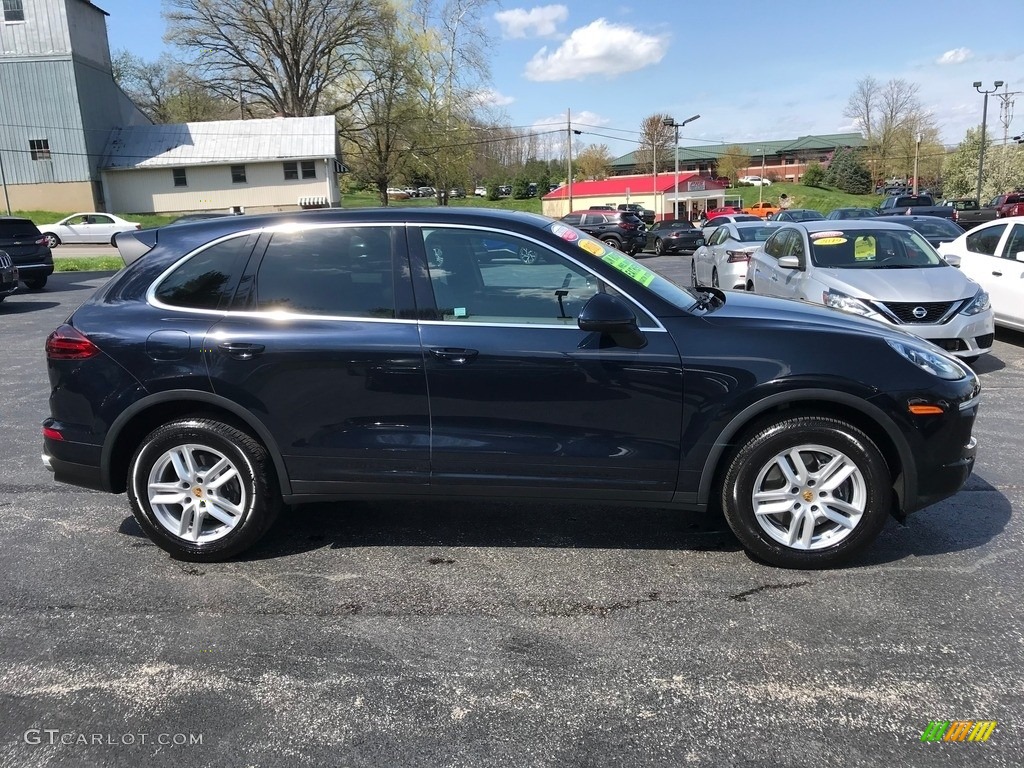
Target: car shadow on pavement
x,y
1009,336
23,307
470,523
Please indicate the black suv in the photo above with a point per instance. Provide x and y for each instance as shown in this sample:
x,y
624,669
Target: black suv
x,y
620,229
240,364
646,215
25,244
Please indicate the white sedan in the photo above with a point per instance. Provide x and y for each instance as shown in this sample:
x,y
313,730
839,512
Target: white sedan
x,y
756,181
90,227
992,254
722,260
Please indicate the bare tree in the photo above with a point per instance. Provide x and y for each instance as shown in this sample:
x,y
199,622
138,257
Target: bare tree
x,y
655,145
166,92
283,54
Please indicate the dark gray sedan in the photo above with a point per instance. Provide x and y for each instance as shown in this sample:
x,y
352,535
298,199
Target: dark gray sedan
x,y
673,237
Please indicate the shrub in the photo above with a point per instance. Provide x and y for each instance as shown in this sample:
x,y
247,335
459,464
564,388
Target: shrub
x,y
814,176
848,173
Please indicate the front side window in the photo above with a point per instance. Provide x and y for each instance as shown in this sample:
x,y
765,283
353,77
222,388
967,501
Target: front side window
x,y
777,244
178,174
39,148
206,280
238,174
340,272
491,277
1015,244
14,10
985,241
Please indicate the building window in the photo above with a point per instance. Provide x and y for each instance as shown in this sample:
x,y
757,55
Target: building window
x,y
179,177
40,148
291,171
14,10
308,169
238,174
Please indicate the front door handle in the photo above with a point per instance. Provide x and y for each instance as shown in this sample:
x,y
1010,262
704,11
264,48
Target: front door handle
x,y
998,274
454,355
240,350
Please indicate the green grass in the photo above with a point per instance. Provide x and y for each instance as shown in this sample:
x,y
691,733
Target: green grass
x,y
815,198
88,264
370,200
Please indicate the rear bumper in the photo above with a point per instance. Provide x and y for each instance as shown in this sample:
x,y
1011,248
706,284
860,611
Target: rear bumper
x,y
82,475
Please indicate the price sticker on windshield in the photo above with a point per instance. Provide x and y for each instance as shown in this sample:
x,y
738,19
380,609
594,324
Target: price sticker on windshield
x,y
630,268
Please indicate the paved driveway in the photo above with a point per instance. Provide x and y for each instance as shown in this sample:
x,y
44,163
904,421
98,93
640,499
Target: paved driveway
x,y
469,634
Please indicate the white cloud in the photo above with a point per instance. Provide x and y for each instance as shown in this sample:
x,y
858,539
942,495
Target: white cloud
x,y
583,117
541,21
955,56
488,97
599,48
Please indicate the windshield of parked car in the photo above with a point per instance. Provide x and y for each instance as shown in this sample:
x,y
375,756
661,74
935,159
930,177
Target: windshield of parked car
x,y
872,249
677,225
628,267
754,234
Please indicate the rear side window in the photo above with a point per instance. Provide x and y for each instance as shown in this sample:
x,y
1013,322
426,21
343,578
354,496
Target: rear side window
x,y
985,240
16,228
340,272
207,280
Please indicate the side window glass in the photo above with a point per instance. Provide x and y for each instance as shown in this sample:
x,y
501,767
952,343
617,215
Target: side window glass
x,y
340,272
796,245
985,241
102,220
1015,243
776,247
573,219
205,281
499,278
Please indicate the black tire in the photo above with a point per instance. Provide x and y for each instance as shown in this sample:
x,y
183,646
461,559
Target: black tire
x,y
693,274
36,283
613,242
52,241
863,498
659,247
249,486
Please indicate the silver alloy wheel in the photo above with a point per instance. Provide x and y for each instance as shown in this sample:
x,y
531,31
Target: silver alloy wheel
x,y
809,497
659,247
52,241
196,493
528,255
693,273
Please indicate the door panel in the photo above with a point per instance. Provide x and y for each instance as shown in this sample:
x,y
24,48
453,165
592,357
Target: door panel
x,y
522,399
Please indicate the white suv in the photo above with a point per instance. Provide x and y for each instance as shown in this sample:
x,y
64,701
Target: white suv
x,y
756,181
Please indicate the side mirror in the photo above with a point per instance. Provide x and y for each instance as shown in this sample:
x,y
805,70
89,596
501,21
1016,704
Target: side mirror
x,y
1020,256
611,316
953,259
790,262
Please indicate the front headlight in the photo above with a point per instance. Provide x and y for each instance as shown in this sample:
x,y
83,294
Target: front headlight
x,y
837,300
978,304
932,361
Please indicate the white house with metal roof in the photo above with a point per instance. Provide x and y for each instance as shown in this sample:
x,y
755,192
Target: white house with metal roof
x,y
275,164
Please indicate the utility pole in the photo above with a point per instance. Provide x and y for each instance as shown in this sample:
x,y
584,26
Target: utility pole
x,y
917,154
3,179
984,120
568,133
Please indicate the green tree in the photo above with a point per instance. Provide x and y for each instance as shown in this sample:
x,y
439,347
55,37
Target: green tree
x,y
960,170
814,176
593,161
520,187
732,163
848,173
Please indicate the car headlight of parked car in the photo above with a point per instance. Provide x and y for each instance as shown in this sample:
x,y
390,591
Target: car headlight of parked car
x,y
932,361
839,300
980,303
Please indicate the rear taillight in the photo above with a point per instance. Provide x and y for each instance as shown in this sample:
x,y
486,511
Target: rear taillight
x,y
956,216
52,434
736,256
68,343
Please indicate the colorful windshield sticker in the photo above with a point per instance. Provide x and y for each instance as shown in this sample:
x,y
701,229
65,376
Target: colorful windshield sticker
x,y
592,248
864,248
630,268
565,232
830,241
830,233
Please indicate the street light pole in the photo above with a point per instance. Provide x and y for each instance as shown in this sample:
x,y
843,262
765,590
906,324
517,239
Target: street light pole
x,y
671,123
984,120
917,155
760,187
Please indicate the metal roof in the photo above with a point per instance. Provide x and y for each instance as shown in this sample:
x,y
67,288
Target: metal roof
x,y
829,141
220,142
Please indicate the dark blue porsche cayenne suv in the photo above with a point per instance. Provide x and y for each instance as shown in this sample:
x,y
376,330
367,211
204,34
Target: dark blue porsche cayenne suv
x,y
240,364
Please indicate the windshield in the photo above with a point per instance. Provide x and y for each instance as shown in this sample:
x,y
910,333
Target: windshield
x,y
630,268
872,249
936,228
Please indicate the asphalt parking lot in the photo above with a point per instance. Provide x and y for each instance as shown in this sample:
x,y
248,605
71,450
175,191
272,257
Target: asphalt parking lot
x,y
468,634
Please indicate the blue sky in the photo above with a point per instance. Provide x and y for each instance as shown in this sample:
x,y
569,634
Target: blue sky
x,y
752,70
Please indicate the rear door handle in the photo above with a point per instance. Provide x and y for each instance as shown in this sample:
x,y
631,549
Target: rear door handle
x,y
998,274
454,355
240,350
